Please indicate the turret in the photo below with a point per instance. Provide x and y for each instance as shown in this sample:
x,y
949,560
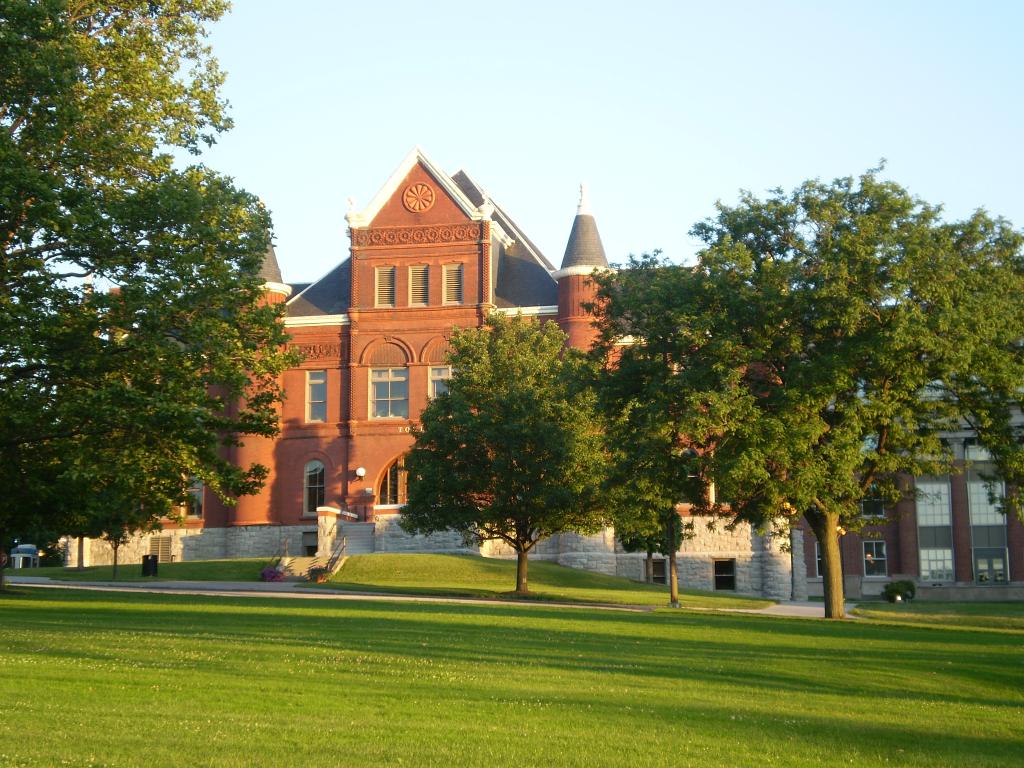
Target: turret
x,y
274,287
256,509
584,254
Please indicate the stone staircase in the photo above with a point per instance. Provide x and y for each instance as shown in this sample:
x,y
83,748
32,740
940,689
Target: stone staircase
x,y
359,538
296,568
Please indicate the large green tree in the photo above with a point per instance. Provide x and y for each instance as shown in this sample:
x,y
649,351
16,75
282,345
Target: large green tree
x,y
832,335
513,451
656,403
130,314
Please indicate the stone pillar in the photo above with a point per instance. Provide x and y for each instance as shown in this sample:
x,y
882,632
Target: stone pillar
x,y
326,530
776,567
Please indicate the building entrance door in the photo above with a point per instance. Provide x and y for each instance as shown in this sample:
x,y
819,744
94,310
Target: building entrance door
x,y
990,566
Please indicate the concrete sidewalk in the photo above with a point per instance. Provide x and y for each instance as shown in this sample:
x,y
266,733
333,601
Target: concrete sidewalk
x,y
293,590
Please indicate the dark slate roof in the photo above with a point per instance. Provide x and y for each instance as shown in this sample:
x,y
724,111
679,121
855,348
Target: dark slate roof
x,y
330,295
522,282
270,271
521,275
298,288
584,248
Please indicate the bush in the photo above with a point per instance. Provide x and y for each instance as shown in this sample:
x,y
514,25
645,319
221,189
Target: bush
x,y
318,574
898,591
271,573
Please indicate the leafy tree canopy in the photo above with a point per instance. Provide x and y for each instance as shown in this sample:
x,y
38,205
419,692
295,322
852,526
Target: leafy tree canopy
x,y
513,451
824,343
130,312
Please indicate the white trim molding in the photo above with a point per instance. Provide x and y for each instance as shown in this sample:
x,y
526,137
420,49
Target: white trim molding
x,y
582,269
284,290
314,320
551,309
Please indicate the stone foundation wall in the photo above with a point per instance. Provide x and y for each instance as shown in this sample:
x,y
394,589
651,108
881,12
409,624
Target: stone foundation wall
x,y
388,536
764,566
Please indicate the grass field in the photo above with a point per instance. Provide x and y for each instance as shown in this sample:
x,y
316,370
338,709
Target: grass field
x,y
446,575
1006,616
467,576
95,679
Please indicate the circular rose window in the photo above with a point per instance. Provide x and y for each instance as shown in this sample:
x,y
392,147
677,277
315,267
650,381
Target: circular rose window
x,y
418,197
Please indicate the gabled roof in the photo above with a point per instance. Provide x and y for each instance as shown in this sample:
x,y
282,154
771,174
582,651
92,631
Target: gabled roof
x,y
416,156
330,295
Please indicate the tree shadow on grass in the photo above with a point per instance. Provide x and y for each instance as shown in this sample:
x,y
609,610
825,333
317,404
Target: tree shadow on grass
x,y
779,654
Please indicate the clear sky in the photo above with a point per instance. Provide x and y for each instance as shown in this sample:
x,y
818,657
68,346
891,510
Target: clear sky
x,y
662,108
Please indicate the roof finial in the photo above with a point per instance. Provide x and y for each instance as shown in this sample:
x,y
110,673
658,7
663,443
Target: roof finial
x,y
584,207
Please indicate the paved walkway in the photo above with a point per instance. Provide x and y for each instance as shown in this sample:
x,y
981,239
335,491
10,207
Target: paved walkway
x,y
294,590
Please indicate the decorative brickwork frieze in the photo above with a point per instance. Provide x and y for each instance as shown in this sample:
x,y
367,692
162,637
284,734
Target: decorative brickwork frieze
x,y
382,237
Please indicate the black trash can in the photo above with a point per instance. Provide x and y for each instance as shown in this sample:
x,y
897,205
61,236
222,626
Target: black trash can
x,y
149,564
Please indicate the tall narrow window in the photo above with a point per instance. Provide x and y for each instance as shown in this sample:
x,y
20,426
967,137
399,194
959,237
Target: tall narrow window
x,y
439,375
389,393
385,288
934,528
874,559
419,284
313,487
452,283
195,498
316,395
393,485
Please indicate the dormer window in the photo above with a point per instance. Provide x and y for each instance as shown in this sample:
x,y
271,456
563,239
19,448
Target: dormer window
x,y
452,283
385,286
419,285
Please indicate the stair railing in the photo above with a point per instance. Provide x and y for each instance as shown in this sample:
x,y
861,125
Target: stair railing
x,y
337,555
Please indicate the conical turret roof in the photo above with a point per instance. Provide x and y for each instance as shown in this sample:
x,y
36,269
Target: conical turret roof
x,y
584,248
270,271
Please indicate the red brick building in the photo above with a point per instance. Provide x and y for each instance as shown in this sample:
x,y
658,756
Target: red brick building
x,y
433,252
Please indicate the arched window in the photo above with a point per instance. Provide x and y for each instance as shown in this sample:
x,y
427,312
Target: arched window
x,y
313,487
393,485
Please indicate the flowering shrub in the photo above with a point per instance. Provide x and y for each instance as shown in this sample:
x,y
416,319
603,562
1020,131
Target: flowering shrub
x,y
271,573
318,574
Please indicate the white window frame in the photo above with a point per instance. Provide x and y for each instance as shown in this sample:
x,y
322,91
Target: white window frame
x,y
310,402
873,545
308,467
195,499
433,378
389,380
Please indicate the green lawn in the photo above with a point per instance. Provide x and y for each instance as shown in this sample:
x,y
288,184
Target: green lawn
x,y
465,575
98,679
1007,616
197,570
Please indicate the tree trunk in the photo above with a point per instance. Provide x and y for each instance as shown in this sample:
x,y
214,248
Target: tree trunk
x,y
522,588
115,548
673,575
3,560
673,582
649,566
826,528
81,553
